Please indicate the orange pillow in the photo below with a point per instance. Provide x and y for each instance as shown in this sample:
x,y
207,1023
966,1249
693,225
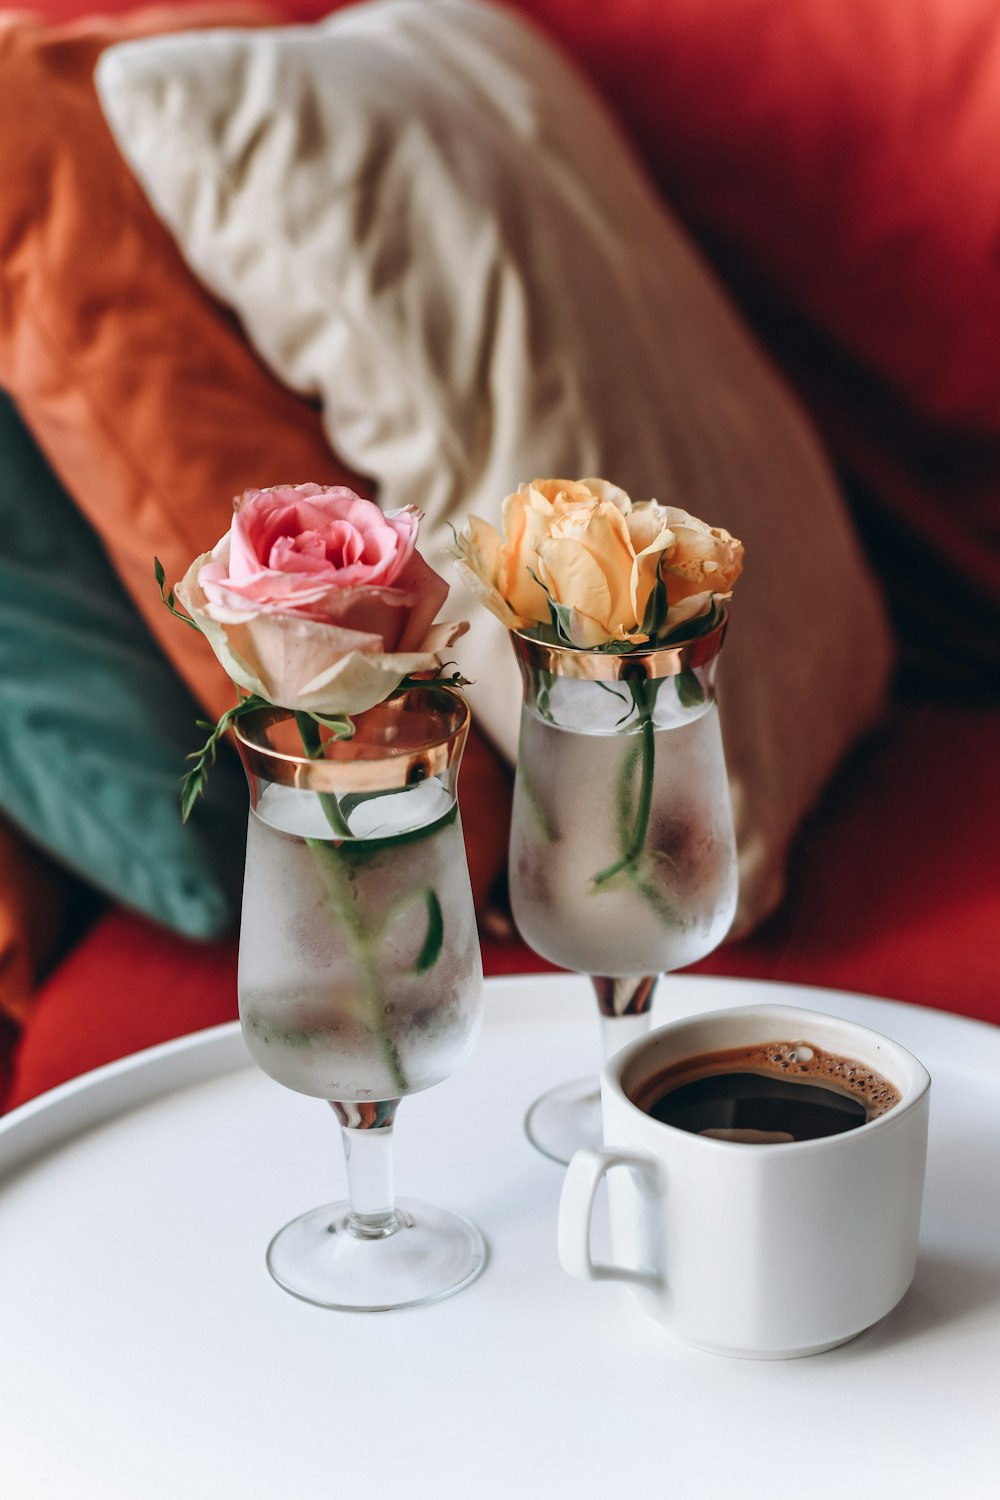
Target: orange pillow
x,y
143,395
293,11
140,390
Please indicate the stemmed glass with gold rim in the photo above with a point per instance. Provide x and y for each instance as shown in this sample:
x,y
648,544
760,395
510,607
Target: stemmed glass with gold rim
x,y
622,852
360,976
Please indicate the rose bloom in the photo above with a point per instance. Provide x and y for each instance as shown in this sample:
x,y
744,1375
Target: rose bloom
x,y
583,545
317,600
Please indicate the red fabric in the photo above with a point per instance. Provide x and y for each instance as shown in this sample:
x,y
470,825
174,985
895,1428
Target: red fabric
x,y
127,985
896,892
838,159
895,883
9,1035
130,984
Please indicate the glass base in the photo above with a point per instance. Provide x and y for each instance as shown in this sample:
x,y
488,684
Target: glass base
x,y
569,1117
566,1119
321,1259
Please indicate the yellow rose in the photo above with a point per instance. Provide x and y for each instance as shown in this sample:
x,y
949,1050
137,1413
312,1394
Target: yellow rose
x,y
701,564
651,537
499,569
563,541
585,563
478,551
526,518
582,547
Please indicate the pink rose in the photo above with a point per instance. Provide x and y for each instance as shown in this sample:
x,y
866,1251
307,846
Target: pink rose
x,y
318,600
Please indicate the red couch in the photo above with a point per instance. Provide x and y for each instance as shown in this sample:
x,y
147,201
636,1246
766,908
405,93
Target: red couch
x,y
845,186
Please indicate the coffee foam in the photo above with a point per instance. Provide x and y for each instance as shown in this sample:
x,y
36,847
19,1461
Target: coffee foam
x,y
795,1061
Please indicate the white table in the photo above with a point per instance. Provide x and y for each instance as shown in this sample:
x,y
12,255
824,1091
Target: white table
x,y
145,1352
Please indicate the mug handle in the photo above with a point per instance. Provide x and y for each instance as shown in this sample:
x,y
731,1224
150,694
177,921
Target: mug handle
x,y
576,1207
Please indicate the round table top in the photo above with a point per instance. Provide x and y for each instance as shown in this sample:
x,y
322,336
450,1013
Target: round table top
x,y
147,1353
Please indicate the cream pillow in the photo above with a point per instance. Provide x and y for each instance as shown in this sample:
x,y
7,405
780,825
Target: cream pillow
x,y
427,219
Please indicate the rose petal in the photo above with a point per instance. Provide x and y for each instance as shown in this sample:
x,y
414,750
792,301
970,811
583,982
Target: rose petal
x,y
304,533
527,517
647,522
488,595
605,490
277,593
586,563
691,608
428,591
359,681
646,569
443,635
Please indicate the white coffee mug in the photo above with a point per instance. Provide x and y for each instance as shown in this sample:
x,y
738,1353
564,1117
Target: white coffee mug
x,y
761,1251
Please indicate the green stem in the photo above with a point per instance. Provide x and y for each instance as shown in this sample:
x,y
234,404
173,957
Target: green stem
x,y
541,817
313,746
642,699
339,889
639,757
332,860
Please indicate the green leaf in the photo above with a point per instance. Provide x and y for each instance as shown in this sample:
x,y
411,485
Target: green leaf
x,y
625,799
351,801
192,787
612,688
656,609
689,688
441,677
691,630
194,783
168,599
359,851
559,615
544,683
540,816
634,788
341,727
656,898
434,941
605,876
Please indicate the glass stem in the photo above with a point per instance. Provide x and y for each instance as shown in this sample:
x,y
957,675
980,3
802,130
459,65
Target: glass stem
x,y
366,1131
626,1006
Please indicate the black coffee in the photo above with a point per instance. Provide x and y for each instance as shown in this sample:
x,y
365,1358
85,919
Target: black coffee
x,y
767,1094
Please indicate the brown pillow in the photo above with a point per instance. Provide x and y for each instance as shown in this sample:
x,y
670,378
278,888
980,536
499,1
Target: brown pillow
x,y
143,394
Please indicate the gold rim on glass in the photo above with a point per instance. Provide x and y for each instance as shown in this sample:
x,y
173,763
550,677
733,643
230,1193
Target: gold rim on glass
x,y
399,742
619,666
